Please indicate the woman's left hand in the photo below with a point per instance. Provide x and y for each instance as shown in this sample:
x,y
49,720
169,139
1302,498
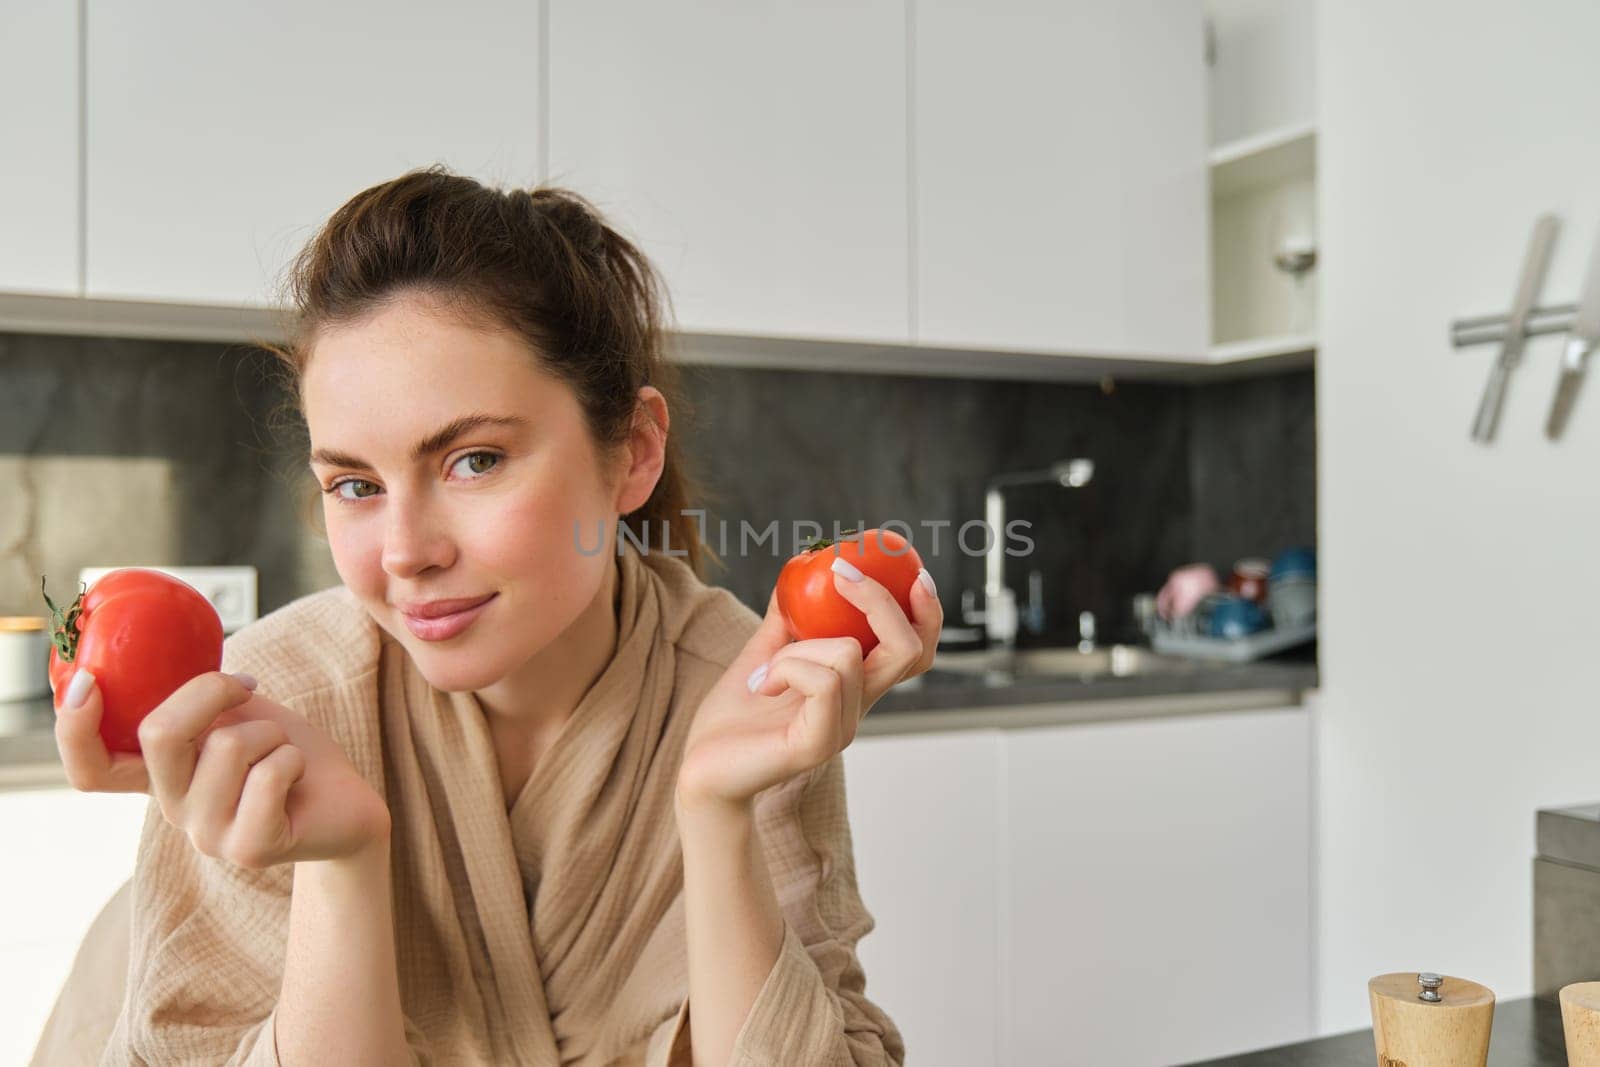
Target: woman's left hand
x,y
804,709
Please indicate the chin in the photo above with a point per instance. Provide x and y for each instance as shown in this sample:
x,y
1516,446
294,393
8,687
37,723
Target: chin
x,y
458,667
457,671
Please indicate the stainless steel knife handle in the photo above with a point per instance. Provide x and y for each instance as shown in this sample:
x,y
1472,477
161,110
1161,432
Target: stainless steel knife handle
x,y
1534,264
1494,394
1582,338
1566,386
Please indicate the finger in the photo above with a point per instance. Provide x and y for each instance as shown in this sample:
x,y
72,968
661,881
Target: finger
x,y
899,645
226,756
262,825
927,619
822,649
832,705
169,735
840,655
90,766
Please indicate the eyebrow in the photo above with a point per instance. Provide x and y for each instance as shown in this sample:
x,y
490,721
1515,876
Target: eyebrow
x,y
437,441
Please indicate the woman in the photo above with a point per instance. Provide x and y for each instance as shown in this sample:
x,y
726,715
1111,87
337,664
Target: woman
x,y
595,813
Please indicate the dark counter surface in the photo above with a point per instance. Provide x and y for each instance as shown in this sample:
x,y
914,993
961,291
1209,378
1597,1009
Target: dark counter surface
x,y
1526,1033
937,689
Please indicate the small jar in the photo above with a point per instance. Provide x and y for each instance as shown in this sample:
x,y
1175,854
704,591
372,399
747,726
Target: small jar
x,y
1250,579
24,657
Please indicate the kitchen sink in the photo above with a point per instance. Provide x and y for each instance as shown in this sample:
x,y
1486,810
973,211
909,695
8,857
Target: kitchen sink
x,y
1116,661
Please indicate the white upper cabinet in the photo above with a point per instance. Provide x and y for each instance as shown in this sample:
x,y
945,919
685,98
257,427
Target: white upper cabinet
x,y
39,129
221,135
1060,189
756,150
1263,68
1010,177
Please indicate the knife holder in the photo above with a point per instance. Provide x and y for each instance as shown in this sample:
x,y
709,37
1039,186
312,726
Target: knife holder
x,y
1580,1022
1409,1030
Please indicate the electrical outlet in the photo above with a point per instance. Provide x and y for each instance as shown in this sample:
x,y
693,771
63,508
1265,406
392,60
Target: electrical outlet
x,y
231,590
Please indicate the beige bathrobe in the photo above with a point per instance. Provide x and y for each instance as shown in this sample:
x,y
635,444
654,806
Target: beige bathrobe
x,y
549,934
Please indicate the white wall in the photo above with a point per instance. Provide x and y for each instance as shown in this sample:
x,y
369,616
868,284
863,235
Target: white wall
x,y
1461,641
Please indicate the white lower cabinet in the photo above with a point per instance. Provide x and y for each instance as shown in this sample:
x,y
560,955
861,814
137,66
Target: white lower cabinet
x,y
1112,893
1147,899
65,853
923,812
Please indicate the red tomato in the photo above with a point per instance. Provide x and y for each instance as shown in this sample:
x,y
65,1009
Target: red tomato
x,y
812,607
142,634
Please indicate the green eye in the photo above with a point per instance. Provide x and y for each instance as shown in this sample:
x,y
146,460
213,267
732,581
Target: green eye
x,y
335,488
479,463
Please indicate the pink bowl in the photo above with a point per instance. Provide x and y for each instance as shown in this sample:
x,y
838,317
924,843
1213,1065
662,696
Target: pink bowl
x,y
1185,588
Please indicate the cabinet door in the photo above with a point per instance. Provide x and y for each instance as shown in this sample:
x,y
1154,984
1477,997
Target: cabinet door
x,y
39,128
756,150
65,854
923,813
221,135
1060,176
1157,907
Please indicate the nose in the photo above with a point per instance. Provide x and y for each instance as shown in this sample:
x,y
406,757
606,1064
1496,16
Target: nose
x,y
416,537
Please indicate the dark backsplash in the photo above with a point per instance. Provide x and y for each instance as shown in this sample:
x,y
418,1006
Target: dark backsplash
x,y
1210,472
1254,449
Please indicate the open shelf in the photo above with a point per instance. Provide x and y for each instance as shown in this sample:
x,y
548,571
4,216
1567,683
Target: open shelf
x,y
1264,159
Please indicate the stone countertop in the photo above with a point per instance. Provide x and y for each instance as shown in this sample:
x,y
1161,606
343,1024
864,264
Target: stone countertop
x,y
1526,1033
933,701
28,756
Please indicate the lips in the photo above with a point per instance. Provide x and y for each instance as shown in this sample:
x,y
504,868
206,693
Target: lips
x,y
445,627
438,609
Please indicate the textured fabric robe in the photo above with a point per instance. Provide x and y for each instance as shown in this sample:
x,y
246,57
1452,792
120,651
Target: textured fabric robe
x,y
552,933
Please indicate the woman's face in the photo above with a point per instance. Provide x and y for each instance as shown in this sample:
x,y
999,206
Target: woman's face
x,y
422,504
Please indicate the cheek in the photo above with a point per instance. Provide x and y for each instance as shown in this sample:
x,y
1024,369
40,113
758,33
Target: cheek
x,y
546,532
357,552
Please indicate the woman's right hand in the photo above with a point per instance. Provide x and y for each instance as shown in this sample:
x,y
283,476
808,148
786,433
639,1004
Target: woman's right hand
x,y
247,779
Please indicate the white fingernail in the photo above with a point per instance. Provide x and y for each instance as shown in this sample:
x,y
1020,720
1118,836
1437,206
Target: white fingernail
x,y
844,567
757,676
78,690
246,680
927,582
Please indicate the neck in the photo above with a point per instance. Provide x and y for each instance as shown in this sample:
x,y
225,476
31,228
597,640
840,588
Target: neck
x,y
541,695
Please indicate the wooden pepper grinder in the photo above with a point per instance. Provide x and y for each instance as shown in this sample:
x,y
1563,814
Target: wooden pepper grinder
x,y
1580,1021
1429,1020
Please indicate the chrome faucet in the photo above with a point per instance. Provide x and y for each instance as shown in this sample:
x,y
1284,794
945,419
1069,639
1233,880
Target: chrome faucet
x,y
999,613
1086,631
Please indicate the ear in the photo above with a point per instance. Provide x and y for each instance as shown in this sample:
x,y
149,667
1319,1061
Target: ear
x,y
646,453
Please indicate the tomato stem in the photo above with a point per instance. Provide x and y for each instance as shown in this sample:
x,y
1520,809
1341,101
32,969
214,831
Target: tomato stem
x,y
818,543
64,624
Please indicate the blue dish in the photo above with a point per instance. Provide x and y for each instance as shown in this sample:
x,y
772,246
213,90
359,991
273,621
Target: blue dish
x,y
1234,617
1295,563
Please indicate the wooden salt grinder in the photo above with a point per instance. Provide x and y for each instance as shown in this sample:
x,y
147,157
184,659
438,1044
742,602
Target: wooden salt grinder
x,y
1429,1020
1580,1021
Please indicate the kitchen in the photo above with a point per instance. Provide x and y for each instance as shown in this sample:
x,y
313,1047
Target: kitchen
x,y
1220,290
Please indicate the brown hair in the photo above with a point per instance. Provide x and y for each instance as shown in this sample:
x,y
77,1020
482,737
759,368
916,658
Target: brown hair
x,y
541,262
